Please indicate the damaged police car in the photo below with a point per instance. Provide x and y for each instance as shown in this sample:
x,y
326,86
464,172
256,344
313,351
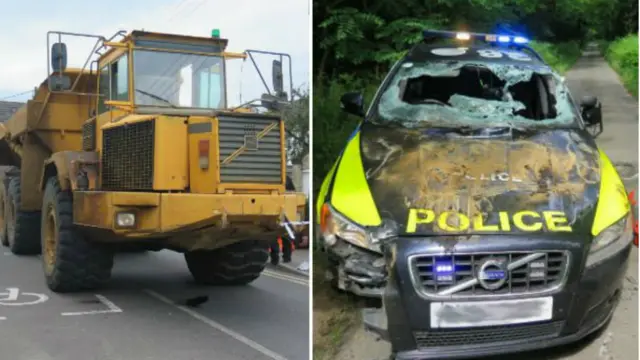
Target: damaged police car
x,y
474,200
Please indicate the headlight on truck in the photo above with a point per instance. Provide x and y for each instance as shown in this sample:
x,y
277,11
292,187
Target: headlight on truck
x,y
611,240
125,220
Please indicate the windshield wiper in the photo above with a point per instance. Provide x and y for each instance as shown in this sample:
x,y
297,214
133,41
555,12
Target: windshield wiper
x,y
154,96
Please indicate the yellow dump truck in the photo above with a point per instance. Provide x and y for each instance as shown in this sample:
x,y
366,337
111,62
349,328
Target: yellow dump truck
x,y
140,147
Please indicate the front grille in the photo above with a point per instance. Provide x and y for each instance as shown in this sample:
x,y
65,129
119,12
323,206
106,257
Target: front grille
x,y
433,274
487,335
261,165
127,156
89,135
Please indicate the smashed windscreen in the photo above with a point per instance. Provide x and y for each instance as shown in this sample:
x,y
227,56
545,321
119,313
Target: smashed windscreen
x,y
458,93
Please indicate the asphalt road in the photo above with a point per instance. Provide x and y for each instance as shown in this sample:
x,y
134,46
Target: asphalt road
x,y
139,316
591,75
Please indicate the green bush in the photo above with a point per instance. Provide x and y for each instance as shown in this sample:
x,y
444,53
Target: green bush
x,y
560,56
622,55
332,126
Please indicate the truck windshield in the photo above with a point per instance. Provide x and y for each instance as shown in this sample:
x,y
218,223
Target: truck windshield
x,y
178,79
458,93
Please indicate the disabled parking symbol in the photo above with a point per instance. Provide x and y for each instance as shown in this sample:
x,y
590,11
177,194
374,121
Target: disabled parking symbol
x,y
14,297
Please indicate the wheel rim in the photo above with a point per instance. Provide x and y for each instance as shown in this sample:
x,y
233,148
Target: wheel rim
x,y
50,240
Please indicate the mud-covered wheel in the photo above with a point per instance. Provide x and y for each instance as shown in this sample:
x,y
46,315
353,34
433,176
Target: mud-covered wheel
x,y
236,264
3,223
70,262
23,227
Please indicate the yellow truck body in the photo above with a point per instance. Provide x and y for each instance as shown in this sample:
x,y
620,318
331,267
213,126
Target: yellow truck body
x,y
115,156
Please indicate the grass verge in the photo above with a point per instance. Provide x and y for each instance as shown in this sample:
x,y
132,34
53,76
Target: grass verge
x,y
335,315
622,55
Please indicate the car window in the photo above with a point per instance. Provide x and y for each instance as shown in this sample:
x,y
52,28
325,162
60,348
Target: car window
x,y
474,94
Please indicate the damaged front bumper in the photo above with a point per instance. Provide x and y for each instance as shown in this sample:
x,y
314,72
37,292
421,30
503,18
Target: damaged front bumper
x,y
585,304
357,270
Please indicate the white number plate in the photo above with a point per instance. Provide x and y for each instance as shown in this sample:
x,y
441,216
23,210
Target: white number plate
x,y
490,313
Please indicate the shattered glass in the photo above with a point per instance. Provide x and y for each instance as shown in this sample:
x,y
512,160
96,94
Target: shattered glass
x,y
461,110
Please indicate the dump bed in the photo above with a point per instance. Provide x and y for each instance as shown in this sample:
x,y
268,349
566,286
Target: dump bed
x,y
53,120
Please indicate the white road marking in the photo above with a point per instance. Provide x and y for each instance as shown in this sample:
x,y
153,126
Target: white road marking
x,y
10,297
112,308
3,318
13,294
254,345
293,279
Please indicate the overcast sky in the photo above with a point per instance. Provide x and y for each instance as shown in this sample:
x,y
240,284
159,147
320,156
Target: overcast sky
x,y
273,25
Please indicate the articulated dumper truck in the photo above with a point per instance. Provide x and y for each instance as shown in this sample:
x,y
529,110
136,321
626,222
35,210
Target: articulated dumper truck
x,y
139,147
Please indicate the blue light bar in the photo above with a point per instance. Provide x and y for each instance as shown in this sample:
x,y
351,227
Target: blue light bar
x,y
466,36
520,40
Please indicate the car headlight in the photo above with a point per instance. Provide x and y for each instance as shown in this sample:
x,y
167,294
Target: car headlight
x,y
611,240
334,225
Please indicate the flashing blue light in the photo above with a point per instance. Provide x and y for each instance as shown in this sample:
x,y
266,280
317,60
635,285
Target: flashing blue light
x,y
503,38
444,268
444,271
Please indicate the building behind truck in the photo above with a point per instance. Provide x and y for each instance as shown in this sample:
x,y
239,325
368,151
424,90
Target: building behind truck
x,y
140,147
8,108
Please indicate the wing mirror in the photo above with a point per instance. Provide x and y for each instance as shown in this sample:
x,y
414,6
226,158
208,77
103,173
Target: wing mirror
x,y
59,57
353,103
591,111
278,80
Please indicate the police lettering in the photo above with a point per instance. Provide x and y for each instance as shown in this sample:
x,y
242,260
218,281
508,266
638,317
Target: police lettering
x,y
526,221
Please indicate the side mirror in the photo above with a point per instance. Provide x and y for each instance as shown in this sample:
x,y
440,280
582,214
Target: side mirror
x,y
353,103
589,101
591,110
59,57
278,80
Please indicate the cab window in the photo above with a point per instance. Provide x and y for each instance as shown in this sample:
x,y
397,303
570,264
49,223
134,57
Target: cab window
x,y
210,90
119,74
103,89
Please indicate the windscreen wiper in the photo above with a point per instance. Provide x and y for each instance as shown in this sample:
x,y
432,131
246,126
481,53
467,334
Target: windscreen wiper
x,y
154,96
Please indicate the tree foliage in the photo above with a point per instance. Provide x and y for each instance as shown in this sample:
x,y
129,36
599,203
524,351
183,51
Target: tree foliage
x,y
365,36
296,121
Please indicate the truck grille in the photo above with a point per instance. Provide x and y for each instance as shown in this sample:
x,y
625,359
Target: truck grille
x,y
127,156
262,164
89,135
487,335
527,273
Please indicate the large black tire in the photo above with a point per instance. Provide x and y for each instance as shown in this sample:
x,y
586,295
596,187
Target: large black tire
x,y
3,217
23,227
236,264
70,262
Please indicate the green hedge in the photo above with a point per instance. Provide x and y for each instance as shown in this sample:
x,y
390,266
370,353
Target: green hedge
x,y
560,56
331,125
622,55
